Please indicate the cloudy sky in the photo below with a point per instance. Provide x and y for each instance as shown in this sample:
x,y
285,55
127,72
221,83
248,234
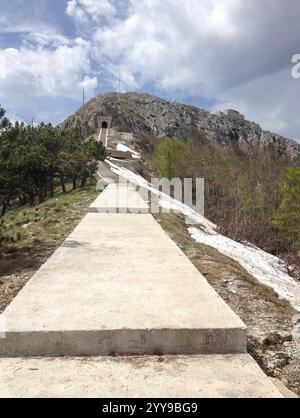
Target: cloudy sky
x,y
210,53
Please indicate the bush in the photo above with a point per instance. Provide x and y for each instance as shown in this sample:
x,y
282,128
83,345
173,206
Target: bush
x,y
165,156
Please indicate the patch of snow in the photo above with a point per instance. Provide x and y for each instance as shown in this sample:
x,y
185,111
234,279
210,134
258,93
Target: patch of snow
x,y
264,267
123,148
163,199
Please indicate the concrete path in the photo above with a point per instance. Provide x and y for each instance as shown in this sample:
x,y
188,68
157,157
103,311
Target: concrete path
x,y
107,176
103,136
120,198
227,376
120,286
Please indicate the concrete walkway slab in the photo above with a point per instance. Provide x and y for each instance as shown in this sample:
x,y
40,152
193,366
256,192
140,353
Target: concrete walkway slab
x,y
235,376
119,198
119,284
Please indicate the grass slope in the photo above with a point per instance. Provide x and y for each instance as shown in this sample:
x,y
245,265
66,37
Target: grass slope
x,y
31,234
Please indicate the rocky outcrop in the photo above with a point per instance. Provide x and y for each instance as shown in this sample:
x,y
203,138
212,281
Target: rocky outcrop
x,y
133,112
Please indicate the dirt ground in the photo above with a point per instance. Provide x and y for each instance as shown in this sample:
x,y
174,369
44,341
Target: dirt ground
x,y
19,268
269,320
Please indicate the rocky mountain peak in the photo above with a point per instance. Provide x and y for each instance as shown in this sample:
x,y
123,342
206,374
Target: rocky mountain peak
x,y
142,112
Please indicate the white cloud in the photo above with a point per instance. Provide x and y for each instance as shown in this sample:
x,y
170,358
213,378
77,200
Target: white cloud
x,y
42,39
41,77
54,72
210,48
273,99
75,11
89,84
44,73
83,10
234,52
214,44
18,16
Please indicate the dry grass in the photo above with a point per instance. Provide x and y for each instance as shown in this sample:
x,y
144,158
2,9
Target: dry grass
x,y
31,234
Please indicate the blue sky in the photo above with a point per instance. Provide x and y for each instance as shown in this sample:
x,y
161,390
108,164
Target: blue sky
x,y
210,53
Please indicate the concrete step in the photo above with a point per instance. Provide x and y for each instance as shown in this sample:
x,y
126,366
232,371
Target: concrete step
x,y
236,376
119,198
106,175
119,284
103,136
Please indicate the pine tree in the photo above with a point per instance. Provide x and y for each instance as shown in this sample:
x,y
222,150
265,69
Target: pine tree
x,y
4,122
34,159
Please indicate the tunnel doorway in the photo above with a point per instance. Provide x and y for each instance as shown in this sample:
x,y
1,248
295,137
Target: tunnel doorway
x,y
104,121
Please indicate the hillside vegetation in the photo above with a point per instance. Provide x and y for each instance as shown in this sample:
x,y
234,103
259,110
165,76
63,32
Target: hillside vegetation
x,y
34,160
31,234
253,198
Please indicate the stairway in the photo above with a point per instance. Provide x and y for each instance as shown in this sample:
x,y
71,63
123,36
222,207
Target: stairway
x,y
120,311
103,136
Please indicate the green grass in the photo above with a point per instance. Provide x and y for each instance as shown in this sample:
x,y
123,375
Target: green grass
x,y
32,233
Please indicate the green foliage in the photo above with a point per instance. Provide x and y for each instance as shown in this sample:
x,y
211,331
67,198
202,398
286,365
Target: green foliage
x,y
242,191
165,156
287,218
49,222
34,159
4,122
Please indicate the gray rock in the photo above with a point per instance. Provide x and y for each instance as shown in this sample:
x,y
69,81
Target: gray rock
x,y
272,340
136,113
282,360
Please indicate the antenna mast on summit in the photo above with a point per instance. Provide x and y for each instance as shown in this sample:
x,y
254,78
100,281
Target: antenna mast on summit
x,y
119,84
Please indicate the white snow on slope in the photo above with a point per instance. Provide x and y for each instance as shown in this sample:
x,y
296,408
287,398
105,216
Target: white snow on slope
x,y
264,267
164,200
123,148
